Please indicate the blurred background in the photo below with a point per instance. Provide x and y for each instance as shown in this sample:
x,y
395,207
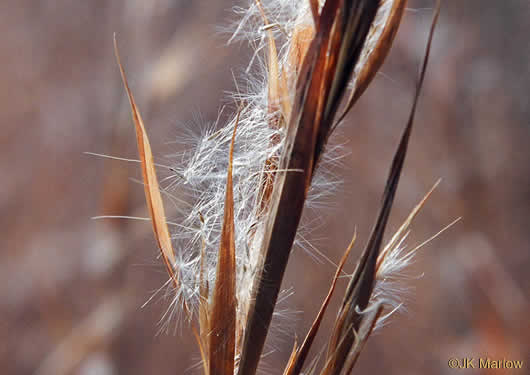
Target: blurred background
x,y
72,288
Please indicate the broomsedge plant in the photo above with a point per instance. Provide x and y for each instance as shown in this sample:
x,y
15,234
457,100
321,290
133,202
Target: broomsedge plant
x,y
250,180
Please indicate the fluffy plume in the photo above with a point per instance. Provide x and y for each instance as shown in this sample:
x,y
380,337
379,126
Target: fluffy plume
x,y
246,189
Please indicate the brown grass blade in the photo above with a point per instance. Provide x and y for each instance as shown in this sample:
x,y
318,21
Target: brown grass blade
x,y
406,135
302,353
377,55
304,141
151,188
292,358
365,330
347,43
223,310
360,288
202,350
362,282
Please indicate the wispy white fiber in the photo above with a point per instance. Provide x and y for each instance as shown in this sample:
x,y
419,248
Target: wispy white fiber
x,y
200,171
390,287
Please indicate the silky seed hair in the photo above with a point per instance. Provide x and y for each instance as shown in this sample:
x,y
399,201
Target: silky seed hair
x,y
201,170
233,177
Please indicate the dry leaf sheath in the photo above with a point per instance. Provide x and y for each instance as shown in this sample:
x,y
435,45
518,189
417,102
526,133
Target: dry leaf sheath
x,y
249,187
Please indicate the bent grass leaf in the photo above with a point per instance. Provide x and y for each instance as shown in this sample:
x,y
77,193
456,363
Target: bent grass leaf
x,y
151,187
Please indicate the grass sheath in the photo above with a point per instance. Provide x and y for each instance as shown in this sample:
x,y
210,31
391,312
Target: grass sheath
x,y
329,47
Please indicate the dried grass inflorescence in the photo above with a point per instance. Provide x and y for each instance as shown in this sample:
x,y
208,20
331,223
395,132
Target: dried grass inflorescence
x,y
250,181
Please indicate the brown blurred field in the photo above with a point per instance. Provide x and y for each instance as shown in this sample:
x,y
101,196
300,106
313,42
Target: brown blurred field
x,y
72,288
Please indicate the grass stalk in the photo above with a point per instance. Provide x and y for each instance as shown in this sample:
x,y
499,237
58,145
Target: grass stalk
x,y
330,46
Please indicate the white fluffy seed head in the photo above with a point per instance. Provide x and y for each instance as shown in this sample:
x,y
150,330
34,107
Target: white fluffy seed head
x,y
201,171
391,275
202,175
